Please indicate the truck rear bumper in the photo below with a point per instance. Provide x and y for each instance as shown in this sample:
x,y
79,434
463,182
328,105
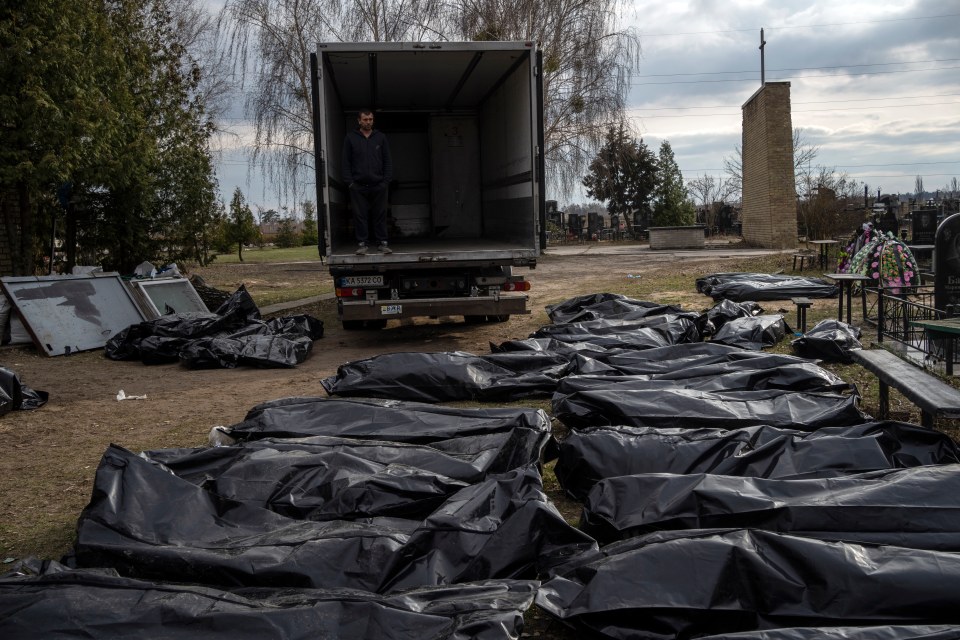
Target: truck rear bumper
x,y
473,306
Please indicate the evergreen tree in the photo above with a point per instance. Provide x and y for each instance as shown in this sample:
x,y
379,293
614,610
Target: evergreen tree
x,y
243,229
309,236
672,207
104,130
287,234
623,174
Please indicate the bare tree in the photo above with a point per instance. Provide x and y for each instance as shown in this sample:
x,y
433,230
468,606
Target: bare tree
x,y
709,194
827,195
918,187
587,65
733,167
804,153
587,62
196,30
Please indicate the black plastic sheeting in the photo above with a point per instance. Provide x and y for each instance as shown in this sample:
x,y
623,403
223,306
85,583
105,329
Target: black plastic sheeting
x,y
590,455
729,372
605,305
533,366
231,336
795,376
651,331
448,376
753,332
690,584
727,310
917,508
331,478
691,408
63,603
829,340
145,522
388,420
890,632
16,396
742,287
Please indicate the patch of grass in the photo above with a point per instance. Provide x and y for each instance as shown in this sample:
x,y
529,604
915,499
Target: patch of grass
x,y
270,282
257,255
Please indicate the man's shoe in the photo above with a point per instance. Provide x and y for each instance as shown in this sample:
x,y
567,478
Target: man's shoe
x,y
361,250
384,249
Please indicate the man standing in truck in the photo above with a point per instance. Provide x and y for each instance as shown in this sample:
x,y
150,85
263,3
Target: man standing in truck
x,y
368,169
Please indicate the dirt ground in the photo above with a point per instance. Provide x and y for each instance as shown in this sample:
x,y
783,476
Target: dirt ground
x,y
50,455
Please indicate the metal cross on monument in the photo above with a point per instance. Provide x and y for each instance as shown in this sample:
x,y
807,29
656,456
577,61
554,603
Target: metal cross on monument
x,y
763,80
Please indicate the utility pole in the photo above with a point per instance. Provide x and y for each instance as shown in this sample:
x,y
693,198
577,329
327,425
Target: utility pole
x,y
763,80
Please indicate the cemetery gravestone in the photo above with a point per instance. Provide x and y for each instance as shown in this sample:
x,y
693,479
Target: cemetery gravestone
x,y
946,290
888,223
924,228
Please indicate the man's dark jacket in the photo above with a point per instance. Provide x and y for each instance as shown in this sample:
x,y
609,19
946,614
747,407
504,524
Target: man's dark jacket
x,y
367,161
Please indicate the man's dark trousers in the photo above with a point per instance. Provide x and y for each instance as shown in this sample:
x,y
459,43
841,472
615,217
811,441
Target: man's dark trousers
x,y
369,207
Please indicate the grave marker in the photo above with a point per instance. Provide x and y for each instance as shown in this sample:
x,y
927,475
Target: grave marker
x,y
946,256
924,228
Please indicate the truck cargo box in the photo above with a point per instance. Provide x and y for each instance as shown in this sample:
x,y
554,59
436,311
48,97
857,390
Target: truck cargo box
x,y
466,204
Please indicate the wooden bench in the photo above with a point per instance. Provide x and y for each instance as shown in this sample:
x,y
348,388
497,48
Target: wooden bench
x,y
803,257
933,396
802,305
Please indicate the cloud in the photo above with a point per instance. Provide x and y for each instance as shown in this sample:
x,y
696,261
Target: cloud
x,y
871,82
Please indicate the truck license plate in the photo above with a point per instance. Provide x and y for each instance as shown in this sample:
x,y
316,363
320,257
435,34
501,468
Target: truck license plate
x,y
391,309
361,281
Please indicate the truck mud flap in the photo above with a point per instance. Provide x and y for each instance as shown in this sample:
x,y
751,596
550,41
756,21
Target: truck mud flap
x,y
386,309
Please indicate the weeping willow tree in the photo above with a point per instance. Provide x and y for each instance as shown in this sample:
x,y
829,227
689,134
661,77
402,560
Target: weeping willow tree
x,y
588,60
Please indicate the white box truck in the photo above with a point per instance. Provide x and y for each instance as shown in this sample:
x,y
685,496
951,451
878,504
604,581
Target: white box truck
x,y
464,121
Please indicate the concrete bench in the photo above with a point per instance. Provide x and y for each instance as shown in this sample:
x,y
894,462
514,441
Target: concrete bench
x,y
934,397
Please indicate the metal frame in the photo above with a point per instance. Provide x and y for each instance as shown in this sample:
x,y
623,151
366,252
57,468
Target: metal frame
x,y
64,314
897,312
149,305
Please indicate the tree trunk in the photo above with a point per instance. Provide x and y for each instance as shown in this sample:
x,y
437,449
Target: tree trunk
x,y
23,255
70,236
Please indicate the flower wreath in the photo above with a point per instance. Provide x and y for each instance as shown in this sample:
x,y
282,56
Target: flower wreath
x,y
887,260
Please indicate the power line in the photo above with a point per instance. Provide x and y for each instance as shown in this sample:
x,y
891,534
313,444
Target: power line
x,y
855,166
885,106
843,66
801,26
737,106
898,164
787,78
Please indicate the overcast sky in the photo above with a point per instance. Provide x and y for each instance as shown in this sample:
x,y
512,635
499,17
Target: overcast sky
x,y
874,84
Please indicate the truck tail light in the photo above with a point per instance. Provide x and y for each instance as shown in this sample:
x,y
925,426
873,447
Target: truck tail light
x,y
349,292
521,285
